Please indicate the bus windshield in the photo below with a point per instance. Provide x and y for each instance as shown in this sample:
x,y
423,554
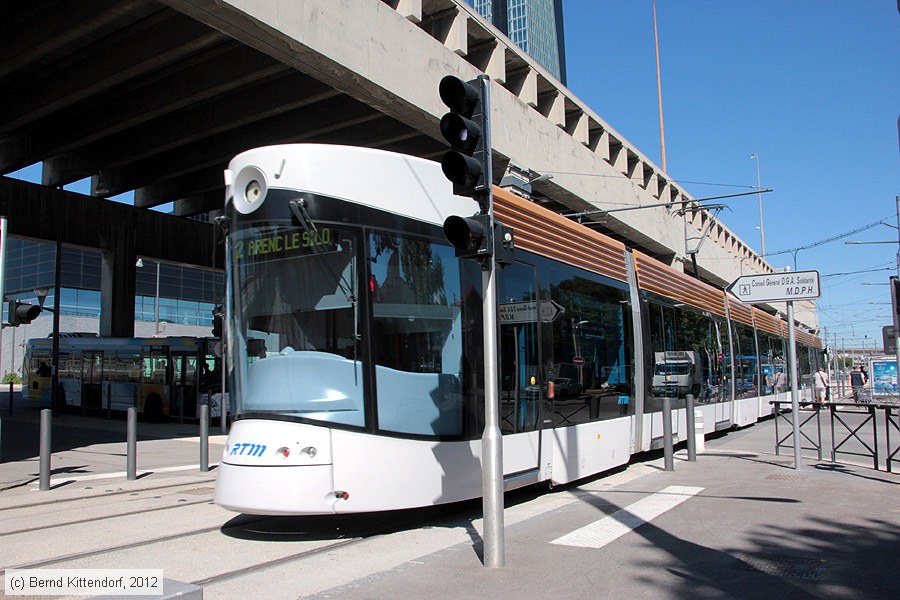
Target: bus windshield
x,y
296,315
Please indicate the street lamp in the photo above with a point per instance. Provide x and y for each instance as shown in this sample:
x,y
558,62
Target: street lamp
x,y
762,231
140,263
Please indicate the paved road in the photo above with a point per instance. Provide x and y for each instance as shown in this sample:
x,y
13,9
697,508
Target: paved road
x,y
738,523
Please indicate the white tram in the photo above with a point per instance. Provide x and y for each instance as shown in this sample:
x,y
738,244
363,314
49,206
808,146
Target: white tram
x,y
355,341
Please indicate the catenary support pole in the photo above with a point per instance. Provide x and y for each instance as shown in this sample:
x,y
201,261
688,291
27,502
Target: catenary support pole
x,y
45,448
691,426
131,444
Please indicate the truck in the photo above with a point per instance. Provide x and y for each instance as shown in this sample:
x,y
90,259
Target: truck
x,y
677,373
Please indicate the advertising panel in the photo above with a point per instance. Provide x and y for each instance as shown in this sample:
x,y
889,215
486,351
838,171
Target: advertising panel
x,y
884,377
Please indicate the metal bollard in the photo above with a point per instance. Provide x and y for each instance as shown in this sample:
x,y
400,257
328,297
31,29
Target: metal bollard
x,y
668,452
10,398
691,427
131,443
45,445
204,437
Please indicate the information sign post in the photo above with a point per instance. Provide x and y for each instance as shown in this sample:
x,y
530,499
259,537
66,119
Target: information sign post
x,y
782,287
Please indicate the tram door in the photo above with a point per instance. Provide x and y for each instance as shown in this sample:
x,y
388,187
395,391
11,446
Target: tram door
x,y
523,384
91,380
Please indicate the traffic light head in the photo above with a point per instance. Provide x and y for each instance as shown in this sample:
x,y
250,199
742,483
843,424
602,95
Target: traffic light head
x,y
469,235
466,129
22,313
217,313
460,96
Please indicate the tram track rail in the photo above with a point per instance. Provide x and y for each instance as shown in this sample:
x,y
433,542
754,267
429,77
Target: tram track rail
x,y
107,494
105,517
276,562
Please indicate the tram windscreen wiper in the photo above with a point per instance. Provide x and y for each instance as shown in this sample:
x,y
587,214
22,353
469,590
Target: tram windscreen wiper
x,y
298,208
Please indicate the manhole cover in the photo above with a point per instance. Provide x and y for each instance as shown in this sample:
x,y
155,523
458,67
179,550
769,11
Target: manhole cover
x,y
778,477
807,569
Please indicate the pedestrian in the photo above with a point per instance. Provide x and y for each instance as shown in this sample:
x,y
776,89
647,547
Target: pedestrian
x,y
820,385
857,382
780,382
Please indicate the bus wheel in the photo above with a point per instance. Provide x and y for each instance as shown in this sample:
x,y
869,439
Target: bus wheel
x,y
153,409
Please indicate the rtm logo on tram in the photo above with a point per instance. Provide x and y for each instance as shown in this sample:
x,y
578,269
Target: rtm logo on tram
x,y
247,450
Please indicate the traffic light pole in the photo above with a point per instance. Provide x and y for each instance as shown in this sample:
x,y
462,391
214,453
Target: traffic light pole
x,y
491,439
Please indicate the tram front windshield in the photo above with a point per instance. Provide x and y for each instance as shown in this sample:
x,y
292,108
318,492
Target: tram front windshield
x,y
296,313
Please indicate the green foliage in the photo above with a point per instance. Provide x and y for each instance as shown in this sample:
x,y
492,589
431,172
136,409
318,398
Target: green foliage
x,y
11,378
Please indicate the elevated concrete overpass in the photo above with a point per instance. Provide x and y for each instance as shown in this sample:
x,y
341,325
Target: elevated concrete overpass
x,y
156,95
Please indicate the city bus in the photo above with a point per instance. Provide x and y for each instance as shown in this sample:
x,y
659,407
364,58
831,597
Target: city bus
x,y
161,377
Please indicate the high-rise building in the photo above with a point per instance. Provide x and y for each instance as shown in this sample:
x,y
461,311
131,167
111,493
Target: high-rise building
x,y
535,26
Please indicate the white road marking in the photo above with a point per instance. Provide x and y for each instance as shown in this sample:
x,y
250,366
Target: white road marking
x,y
610,528
58,479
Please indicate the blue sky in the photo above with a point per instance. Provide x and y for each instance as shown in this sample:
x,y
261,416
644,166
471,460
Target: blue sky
x,y
811,86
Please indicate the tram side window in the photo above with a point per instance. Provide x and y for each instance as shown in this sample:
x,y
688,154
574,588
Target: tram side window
x,y
804,365
416,335
595,331
771,351
698,335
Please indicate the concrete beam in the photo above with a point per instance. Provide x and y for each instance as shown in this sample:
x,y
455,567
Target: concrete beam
x,y
306,123
243,107
164,39
62,26
189,184
190,82
120,232
94,223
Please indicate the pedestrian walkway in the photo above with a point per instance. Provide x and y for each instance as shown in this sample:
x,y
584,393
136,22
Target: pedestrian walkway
x,y
93,448
740,522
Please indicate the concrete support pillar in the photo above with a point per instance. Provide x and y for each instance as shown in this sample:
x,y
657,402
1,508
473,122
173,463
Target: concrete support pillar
x,y
117,283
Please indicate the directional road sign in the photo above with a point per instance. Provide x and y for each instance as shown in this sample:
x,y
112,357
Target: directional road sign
x,y
776,287
527,312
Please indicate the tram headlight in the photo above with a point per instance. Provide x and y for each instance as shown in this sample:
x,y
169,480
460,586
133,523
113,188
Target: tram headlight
x,y
253,192
250,189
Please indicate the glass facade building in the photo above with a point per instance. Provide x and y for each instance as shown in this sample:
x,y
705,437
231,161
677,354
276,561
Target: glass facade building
x,y
535,26
186,295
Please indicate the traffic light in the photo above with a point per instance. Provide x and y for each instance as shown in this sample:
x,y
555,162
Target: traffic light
x,y
471,236
22,313
217,313
466,128
474,238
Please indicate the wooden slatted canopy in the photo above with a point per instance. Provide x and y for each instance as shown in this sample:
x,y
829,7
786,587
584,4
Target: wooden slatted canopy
x,y
553,236
653,276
